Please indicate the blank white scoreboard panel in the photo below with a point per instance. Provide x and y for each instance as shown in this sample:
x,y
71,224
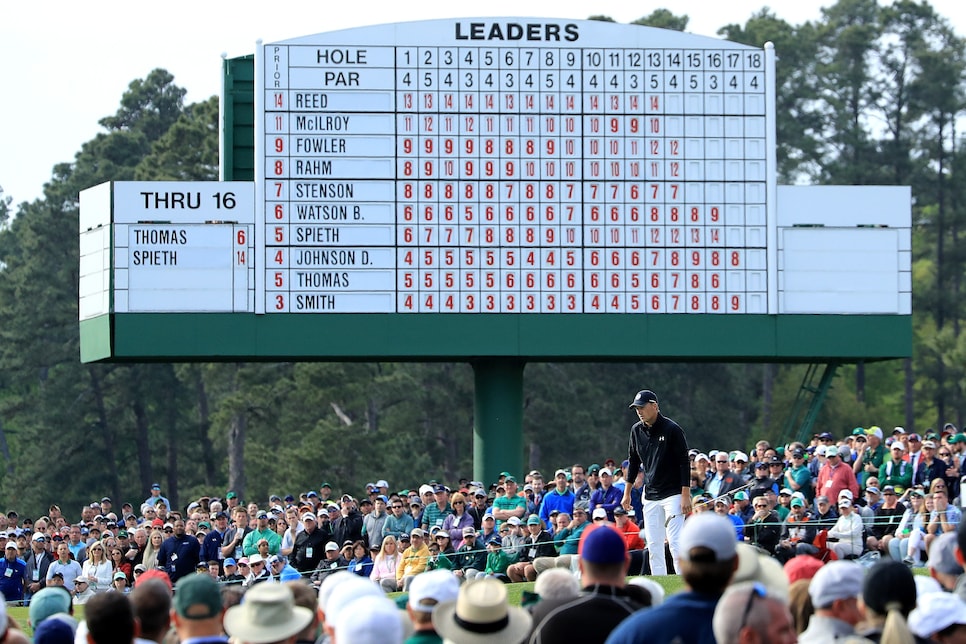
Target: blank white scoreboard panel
x,y
94,277
514,166
844,250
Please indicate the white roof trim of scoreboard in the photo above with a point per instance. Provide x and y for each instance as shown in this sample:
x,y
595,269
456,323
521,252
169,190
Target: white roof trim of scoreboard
x,y
514,32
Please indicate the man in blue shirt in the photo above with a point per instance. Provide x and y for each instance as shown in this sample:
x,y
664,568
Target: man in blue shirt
x,y
561,498
179,553
606,496
708,557
723,508
13,574
211,548
156,496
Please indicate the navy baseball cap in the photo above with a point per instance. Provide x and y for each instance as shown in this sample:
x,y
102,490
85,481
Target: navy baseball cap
x,y
643,397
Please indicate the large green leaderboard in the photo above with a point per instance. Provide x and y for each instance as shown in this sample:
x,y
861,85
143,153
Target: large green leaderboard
x,y
498,191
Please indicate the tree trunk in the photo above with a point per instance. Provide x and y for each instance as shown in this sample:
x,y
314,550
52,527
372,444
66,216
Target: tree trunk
x,y
171,419
451,447
910,394
940,267
143,444
236,452
767,390
860,381
372,415
204,426
109,459
954,206
5,448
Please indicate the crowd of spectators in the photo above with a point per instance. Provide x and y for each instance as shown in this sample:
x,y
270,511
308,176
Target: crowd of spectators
x,y
860,496
732,593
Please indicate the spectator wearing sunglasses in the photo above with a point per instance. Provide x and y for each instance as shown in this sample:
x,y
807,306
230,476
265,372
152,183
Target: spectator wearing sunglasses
x,y
454,523
723,480
797,478
764,529
399,522
746,613
929,467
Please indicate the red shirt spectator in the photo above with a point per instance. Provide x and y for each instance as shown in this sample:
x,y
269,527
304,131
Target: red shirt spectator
x,y
836,476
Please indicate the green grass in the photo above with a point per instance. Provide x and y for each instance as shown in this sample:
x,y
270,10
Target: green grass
x,y
20,614
671,584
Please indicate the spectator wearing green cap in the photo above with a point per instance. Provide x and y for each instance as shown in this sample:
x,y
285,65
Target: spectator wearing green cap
x,y
198,610
47,602
510,504
797,532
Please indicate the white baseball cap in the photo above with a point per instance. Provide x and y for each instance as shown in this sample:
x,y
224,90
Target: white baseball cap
x,y
936,612
431,588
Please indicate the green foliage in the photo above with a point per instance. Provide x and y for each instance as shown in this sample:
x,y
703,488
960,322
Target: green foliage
x,y
188,150
866,94
5,202
663,19
150,106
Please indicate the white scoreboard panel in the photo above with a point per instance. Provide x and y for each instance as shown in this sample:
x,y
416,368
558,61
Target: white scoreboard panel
x,y
176,247
514,166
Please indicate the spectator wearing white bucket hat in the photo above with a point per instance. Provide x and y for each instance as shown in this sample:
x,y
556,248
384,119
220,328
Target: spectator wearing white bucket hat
x,y
481,614
268,614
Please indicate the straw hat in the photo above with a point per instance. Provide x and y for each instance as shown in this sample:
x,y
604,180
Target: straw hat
x,y
268,614
481,614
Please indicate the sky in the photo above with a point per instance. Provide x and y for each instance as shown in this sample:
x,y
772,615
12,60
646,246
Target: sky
x,y
65,66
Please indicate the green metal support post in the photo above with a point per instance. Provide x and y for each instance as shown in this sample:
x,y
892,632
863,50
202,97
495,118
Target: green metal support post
x,y
497,418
